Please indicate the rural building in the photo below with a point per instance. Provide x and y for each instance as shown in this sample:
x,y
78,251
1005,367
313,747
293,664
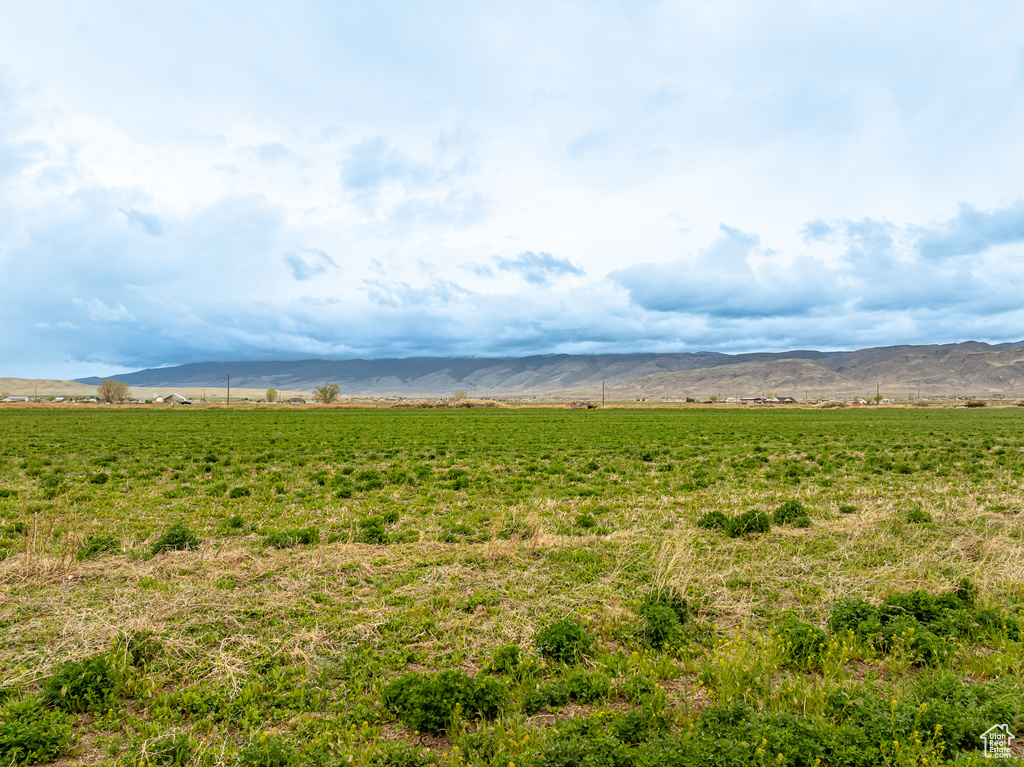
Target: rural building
x,y
174,399
16,398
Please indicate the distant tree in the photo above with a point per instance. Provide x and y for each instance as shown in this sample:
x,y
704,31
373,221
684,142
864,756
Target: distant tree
x,y
271,395
112,391
713,398
877,398
458,396
326,393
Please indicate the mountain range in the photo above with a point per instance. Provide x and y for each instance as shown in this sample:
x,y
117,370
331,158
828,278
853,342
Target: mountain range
x,y
970,368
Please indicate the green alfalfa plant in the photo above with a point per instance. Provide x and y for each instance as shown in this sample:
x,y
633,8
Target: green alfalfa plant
x,y
749,522
793,513
434,702
88,684
97,544
286,539
31,733
563,642
178,537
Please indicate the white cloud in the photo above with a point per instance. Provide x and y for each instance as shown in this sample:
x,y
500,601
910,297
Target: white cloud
x,y
366,179
100,312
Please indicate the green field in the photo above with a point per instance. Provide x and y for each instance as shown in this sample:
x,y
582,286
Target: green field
x,y
510,587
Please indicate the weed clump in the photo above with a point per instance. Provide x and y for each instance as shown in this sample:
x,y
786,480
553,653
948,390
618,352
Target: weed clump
x,y
581,686
804,646
664,612
713,520
915,515
792,513
98,544
506,659
371,530
751,521
432,703
30,733
177,537
563,642
286,539
82,685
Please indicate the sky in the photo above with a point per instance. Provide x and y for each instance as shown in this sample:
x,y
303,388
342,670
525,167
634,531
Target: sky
x,y
185,182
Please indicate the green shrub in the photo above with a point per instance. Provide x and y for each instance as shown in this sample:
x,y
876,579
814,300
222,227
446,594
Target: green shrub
x,y
661,626
98,544
99,479
371,530
586,686
581,685
804,646
239,492
751,521
176,538
584,741
563,642
286,539
847,508
30,733
713,520
506,659
81,685
1000,622
430,703
140,647
792,513
857,616
915,515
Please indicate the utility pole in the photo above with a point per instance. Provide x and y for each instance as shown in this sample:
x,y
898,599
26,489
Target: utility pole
x,y
229,390
602,393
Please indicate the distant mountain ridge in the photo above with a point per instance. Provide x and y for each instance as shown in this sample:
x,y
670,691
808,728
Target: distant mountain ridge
x,y
969,367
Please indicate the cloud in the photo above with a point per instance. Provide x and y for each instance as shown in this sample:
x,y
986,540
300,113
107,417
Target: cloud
x,y
275,153
372,163
722,282
881,267
307,263
147,222
100,312
538,268
413,143
438,293
972,231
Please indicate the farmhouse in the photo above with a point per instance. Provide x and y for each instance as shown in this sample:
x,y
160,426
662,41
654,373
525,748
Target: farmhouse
x,y
174,399
16,398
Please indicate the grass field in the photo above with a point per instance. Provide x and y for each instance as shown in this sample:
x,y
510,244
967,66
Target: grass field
x,y
510,587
